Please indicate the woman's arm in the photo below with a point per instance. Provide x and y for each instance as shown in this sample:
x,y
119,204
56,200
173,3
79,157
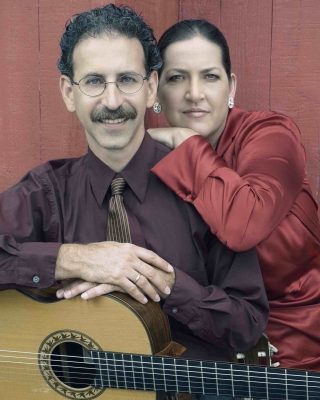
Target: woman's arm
x,y
245,193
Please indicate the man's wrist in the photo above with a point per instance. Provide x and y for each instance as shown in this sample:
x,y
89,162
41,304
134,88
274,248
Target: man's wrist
x,y
67,265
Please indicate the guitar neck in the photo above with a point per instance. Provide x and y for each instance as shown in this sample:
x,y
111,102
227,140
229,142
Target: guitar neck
x,y
143,372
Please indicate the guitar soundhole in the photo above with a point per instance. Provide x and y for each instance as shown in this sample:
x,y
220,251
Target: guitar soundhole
x,y
66,365
71,364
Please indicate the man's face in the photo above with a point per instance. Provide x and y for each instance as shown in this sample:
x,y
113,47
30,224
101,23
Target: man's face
x,y
113,121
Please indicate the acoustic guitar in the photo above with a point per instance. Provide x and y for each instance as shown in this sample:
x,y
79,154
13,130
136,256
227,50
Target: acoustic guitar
x,y
113,348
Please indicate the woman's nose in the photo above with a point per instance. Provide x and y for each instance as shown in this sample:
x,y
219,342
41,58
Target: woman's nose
x,y
194,91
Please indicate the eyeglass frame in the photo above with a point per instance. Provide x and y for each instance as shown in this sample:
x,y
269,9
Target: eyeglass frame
x,y
107,82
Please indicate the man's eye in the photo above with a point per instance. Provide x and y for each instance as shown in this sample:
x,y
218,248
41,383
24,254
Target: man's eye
x,y
127,79
94,81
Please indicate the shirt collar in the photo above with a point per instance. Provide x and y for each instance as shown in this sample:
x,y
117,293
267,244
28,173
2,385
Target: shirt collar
x,y
136,173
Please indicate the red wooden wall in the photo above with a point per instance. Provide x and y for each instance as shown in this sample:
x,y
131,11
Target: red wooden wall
x,y
275,48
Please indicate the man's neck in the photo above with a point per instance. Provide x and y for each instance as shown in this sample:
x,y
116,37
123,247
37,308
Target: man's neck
x,y
117,159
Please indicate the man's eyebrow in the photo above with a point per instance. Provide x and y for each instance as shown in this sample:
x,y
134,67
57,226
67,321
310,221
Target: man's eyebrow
x,y
118,74
131,72
92,74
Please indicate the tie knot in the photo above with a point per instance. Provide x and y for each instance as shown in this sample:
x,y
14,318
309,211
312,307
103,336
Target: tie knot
x,y
117,186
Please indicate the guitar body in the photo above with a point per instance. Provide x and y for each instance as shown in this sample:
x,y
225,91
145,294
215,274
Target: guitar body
x,y
111,323
113,348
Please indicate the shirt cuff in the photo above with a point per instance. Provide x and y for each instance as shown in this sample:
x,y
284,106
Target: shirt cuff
x,y
183,302
37,264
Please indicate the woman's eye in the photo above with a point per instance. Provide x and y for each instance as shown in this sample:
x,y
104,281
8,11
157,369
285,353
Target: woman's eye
x,y
211,77
175,78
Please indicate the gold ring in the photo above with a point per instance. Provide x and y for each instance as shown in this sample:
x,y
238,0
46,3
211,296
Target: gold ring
x,y
137,278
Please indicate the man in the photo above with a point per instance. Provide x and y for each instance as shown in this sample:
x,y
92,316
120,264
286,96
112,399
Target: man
x,y
55,224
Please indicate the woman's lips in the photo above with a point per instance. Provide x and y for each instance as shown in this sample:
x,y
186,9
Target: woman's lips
x,y
195,112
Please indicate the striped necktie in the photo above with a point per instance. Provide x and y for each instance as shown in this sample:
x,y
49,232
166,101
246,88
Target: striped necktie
x,y
118,224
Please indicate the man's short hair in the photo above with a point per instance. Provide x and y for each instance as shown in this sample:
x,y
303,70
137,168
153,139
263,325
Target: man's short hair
x,y
109,19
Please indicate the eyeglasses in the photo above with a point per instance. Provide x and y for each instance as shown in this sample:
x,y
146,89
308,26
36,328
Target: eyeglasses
x,y
95,85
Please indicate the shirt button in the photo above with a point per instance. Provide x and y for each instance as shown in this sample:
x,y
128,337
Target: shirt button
x,y
36,279
174,310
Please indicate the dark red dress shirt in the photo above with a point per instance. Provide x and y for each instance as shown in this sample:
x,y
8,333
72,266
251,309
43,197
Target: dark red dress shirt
x,y
218,302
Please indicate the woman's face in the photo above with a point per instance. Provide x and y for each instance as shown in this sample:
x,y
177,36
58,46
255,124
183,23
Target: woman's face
x,y
194,88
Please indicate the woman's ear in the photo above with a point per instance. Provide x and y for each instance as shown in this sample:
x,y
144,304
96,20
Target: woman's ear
x,y
233,86
66,89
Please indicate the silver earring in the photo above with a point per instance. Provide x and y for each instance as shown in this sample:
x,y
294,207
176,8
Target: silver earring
x,y
157,108
231,102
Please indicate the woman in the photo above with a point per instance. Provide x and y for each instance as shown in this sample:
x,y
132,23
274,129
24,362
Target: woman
x,y
245,174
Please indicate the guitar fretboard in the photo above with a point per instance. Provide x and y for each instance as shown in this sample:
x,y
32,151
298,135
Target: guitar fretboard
x,y
142,372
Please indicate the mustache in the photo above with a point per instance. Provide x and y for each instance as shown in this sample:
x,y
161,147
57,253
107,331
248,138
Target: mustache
x,y
102,114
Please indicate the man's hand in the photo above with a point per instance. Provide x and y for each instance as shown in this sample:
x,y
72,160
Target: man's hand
x,y
110,266
87,290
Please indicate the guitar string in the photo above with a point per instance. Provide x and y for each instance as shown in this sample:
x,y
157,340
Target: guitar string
x,y
180,387
200,390
154,364
221,378
213,390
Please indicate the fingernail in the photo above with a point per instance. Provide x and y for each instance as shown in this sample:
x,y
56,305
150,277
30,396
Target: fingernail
x,y
276,364
145,300
167,290
170,268
59,294
157,298
84,296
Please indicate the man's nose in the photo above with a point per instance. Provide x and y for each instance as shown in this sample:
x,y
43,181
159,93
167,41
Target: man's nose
x,y
112,98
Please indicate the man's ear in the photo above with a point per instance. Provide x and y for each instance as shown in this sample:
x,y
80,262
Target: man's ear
x,y
152,88
66,90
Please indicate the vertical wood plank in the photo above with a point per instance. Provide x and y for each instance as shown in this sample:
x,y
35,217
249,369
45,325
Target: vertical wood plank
x,y
247,27
295,81
19,100
201,9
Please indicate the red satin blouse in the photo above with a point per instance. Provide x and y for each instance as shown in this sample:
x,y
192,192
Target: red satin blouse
x,y
252,191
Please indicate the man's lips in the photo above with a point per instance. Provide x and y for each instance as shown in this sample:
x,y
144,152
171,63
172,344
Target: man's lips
x,y
113,121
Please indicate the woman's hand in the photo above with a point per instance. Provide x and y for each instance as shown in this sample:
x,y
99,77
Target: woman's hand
x,y
171,137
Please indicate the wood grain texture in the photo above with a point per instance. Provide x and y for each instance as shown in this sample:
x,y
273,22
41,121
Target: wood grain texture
x,y
275,53
207,9
97,319
295,81
19,100
247,27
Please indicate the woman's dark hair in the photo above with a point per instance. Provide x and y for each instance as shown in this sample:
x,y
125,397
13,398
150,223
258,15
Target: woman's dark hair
x,y
189,28
109,19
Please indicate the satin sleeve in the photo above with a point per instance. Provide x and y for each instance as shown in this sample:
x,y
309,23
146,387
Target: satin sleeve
x,y
28,224
244,198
